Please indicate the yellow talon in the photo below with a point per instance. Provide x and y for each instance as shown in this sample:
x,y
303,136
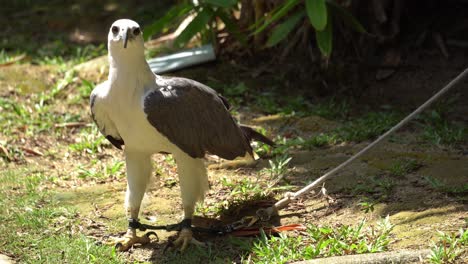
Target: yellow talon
x,y
129,239
184,240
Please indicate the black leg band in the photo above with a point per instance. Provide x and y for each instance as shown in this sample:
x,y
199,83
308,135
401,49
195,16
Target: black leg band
x,y
134,223
186,223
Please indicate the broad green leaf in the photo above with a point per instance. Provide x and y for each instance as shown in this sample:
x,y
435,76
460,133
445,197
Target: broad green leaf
x,y
231,26
347,17
159,24
221,3
324,39
282,30
317,12
196,26
277,15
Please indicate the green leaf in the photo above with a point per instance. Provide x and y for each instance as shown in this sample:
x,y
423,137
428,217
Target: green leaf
x,y
231,26
324,39
317,12
347,17
196,26
282,31
277,15
221,3
166,20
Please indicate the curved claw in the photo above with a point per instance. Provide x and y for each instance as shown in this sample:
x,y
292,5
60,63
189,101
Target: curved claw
x,y
126,242
151,233
118,246
183,241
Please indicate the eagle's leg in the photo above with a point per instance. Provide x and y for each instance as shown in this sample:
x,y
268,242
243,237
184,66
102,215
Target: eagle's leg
x,y
138,175
193,185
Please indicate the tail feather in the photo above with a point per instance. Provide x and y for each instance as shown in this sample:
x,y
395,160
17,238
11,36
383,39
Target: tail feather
x,y
251,134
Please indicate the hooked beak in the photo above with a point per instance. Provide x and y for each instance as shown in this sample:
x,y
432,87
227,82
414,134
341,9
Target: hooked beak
x,y
125,37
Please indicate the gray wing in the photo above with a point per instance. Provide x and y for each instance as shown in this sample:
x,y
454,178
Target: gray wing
x,y
195,118
102,120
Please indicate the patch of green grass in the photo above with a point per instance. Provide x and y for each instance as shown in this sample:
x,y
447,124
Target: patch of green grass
x,y
438,130
6,57
332,109
443,187
437,127
247,189
60,53
402,167
381,185
367,206
367,127
277,170
31,114
89,141
450,247
36,229
321,140
102,170
267,103
362,128
323,241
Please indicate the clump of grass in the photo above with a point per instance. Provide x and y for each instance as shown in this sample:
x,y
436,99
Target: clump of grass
x,y
277,170
402,167
443,187
322,140
6,57
88,142
450,247
367,206
102,170
323,241
332,109
368,126
440,131
249,189
381,185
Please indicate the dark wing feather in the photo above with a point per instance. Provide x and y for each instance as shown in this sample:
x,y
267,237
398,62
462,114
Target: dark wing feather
x,y
195,118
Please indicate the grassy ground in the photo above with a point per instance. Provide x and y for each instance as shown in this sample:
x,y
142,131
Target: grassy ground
x,y
62,184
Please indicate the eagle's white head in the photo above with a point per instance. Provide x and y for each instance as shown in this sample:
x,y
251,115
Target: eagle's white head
x,y
125,39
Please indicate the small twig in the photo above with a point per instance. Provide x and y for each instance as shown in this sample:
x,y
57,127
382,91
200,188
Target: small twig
x,y
72,124
32,151
13,61
4,150
440,43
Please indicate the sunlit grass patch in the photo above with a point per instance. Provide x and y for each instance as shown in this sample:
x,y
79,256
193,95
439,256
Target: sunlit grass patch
x,y
89,141
323,241
450,247
35,228
102,170
247,190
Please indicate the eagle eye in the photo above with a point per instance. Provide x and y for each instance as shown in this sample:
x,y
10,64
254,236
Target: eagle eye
x,y
115,29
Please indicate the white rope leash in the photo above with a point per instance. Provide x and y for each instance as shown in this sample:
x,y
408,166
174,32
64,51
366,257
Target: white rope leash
x,y
262,213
